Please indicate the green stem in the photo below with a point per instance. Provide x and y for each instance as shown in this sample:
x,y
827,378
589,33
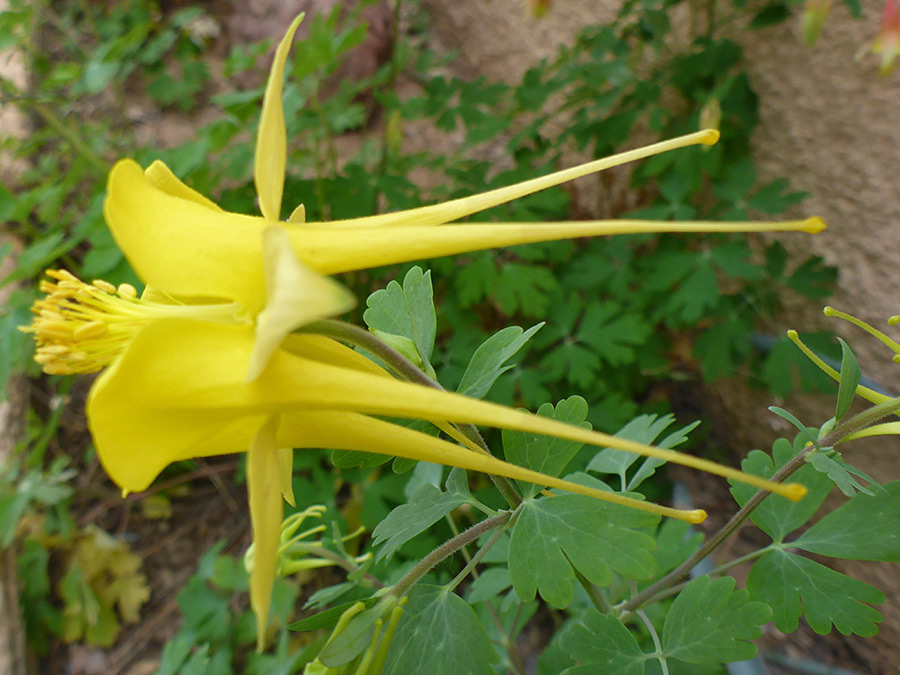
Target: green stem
x,y
447,549
856,423
680,572
345,332
664,667
860,421
474,560
597,598
677,588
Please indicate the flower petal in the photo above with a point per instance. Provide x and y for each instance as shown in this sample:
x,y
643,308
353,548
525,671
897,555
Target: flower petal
x,y
187,250
181,247
161,176
295,296
217,354
437,214
271,139
143,416
266,511
330,251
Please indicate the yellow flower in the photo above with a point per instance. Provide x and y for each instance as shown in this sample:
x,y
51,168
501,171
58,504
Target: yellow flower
x,y
206,363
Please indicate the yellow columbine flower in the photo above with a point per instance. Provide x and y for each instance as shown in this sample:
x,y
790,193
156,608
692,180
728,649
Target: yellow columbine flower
x,y
205,362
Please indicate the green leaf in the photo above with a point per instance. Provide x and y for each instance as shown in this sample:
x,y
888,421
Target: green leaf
x,y
553,535
813,278
427,506
841,473
489,584
865,528
676,540
407,311
643,429
525,289
573,362
614,336
487,363
695,294
850,377
722,346
784,359
603,645
329,617
792,585
854,7
773,13
710,622
543,453
439,634
777,516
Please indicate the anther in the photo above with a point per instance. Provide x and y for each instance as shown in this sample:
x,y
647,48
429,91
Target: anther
x,y
104,286
127,291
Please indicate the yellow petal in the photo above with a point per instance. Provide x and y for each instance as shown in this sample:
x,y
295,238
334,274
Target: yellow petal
x,y
352,431
271,139
266,511
438,214
162,177
143,417
330,251
183,248
326,350
187,250
204,372
295,296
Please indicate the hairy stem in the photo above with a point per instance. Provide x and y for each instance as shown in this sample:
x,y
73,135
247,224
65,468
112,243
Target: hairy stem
x,y
447,549
856,423
345,332
711,544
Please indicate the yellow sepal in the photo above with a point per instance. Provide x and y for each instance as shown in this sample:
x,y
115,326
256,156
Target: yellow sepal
x,y
266,511
271,139
295,296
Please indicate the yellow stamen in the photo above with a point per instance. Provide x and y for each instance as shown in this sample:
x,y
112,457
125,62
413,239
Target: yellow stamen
x,y
127,291
81,328
105,286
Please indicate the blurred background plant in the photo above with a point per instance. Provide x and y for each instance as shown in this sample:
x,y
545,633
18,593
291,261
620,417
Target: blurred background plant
x,y
634,321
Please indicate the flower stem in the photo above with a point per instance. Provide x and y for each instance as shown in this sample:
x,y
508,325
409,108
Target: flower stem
x,y
856,423
345,332
447,549
711,544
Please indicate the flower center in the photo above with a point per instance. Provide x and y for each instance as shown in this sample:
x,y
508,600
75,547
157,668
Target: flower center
x,y
82,328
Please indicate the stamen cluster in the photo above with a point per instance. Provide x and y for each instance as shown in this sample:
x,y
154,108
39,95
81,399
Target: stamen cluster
x,y
80,327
